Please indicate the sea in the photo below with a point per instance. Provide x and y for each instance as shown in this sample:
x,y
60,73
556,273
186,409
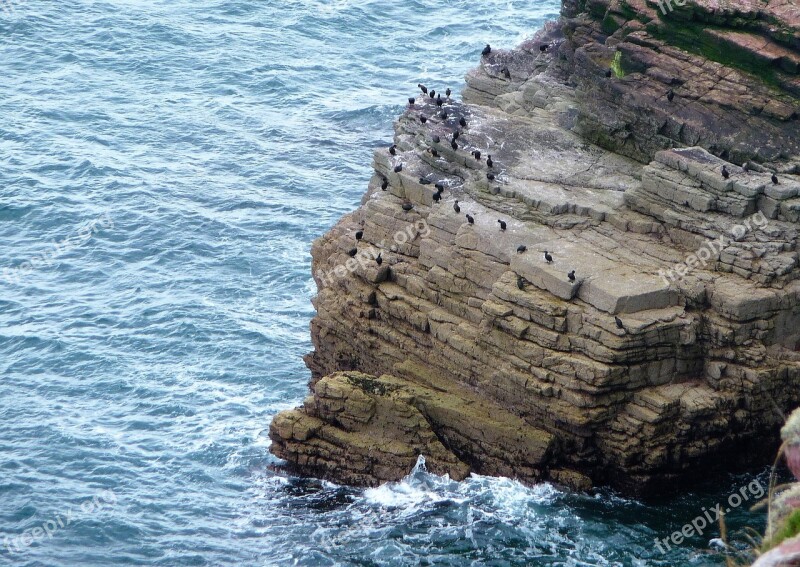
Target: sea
x,y
164,168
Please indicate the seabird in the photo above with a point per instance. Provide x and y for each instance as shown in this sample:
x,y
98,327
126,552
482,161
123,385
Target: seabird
x,y
411,100
423,88
489,162
521,248
477,154
439,100
444,115
486,50
608,73
385,184
490,176
725,173
502,224
470,220
456,208
437,197
447,92
774,179
618,321
423,118
393,149
456,134
506,73
379,259
548,257
359,235
439,187
571,276
407,207
423,181
434,153
398,168
463,122
454,145
670,95
436,139
520,282
352,253
433,94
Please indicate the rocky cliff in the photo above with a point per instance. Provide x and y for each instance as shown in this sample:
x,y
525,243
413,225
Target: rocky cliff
x,y
675,343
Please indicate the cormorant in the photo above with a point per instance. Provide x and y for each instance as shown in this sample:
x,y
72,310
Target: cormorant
x,y
439,101
385,184
548,257
502,224
463,122
456,208
423,88
433,94
437,197
407,207
725,173
447,92
454,145
359,235
521,248
393,149
456,134
423,181
520,282
608,73
506,73
490,176
489,162
486,50
571,276
398,168
470,220
670,95
423,118
439,187
436,139
352,253
434,153
618,321
411,100
379,259
774,179
477,154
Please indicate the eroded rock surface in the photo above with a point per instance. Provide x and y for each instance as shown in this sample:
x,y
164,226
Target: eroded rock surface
x,y
493,360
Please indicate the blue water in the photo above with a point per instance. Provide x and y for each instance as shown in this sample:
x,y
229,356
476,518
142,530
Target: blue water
x,y
164,167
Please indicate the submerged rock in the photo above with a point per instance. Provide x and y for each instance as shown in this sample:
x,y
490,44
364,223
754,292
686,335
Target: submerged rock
x,y
617,182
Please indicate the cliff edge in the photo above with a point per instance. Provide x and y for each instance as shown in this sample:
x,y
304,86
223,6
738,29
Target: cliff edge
x,y
652,149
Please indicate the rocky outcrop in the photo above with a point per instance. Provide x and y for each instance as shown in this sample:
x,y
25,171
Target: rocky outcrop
x,y
675,346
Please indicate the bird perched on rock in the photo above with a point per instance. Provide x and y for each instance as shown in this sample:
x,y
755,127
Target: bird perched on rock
x,y
544,47
352,253
411,100
670,95
489,162
385,184
456,208
618,321
520,282
434,153
490,176
486,50
379,259
454,145
477,154
423,118
463,122
506,73
571,276
407,207
432,94
548,257
521,248
359,235
774,179
437,197
439,187
436,139
447,92
725,173
398,168
439,100
443,115
456,134
393,149
608,73
423,88
502,224
470,220
423,181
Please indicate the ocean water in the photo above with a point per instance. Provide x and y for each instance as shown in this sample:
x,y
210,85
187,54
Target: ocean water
x,y
164,167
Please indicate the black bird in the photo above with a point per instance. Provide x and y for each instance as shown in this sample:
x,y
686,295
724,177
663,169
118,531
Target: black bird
x,y
489,162
359,235
447,92
352,253
502,224
490,176
521,248
398,168
456,134
423,118
454,145
434,153
463,122
439,100
618,321
385,184
543,48
407,207
437,197
486,50
520,282
470,220
725,173
670,95
393,149
456,208
477,154
379,259
571,276
774,179
423,181
444,115
423,88
608,73
411,100
439,187
433,94
436,139
506,73
548,257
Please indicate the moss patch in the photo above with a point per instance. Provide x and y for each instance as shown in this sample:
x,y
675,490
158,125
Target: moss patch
x,y
616,65
790,529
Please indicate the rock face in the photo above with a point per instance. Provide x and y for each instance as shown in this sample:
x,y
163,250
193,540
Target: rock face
x,y
489,359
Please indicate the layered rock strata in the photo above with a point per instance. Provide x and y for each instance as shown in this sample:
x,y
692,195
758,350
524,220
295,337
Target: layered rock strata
x,y
675,346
